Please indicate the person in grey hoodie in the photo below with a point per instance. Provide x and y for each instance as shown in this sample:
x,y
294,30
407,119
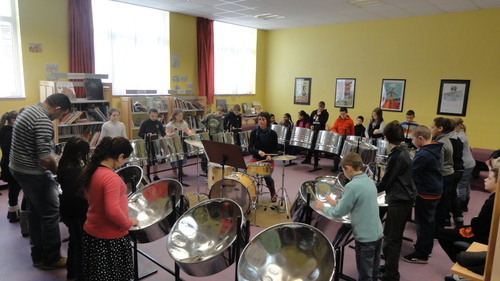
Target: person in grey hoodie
x,y
439,129
429,182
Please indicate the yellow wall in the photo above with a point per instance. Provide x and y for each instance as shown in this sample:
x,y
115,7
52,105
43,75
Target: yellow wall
x,y
422,50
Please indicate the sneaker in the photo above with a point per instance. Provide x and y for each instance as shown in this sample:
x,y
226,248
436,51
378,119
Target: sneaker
x,y
306,161
454,277
61,263
413,258
38,264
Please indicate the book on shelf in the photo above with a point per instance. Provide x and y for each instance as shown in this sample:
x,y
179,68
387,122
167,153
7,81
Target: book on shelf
x,y
94,139
93,89
246,109
74,116
258,107
98,113
221,102
67,88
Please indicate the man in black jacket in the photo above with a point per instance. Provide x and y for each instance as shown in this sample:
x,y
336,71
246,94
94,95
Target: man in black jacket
x,y
400,196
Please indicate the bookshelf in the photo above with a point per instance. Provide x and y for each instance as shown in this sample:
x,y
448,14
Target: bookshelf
x,y
134,110
89,122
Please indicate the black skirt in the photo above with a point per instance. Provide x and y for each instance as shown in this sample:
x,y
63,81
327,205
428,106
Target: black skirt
x,y
107,259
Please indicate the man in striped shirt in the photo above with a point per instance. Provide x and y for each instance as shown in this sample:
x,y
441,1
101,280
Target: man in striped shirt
x,y
33,166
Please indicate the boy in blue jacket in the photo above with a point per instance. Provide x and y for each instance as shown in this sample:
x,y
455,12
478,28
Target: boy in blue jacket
x,y
429,182
359,199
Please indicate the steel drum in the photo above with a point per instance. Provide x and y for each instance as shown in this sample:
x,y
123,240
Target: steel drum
x,y
169,149
215,173
301,137
139,154
192,150
367,152
201,240
330,226
223,137
127,173
281,131
244,140
153,208
329,142
328,179
262,169
287,251
238,187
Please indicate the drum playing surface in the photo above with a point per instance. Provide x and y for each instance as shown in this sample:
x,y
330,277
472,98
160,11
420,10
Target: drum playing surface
x,y
288,251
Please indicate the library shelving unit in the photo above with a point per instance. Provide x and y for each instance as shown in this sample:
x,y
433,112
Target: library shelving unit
x,y
90,122
134,110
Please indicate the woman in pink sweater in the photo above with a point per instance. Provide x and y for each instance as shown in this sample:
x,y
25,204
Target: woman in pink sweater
x,y
107,252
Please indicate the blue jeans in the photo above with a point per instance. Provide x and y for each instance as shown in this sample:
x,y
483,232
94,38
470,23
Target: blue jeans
x,y
463,189
368,260
74,264
425,212
42,204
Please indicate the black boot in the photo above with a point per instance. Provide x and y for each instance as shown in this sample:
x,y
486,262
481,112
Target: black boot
x,y
464,204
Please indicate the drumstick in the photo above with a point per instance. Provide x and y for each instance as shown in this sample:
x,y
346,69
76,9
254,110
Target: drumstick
x,y
195,257
312,192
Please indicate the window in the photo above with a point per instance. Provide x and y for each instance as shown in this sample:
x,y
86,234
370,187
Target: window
x,y
131,45
11,71
234,59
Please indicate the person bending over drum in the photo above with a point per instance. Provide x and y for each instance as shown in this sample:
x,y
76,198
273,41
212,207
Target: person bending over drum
x,y
264,141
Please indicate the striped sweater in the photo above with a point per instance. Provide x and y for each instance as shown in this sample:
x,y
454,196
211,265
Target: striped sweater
x,y
31,140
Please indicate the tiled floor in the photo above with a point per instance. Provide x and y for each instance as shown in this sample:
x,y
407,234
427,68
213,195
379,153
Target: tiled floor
x,y
15,262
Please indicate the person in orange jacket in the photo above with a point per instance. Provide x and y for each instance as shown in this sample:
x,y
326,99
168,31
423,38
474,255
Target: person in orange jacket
x,y
345,126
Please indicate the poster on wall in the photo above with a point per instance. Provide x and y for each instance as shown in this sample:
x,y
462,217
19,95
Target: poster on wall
x,y
302,93
392,95
453,95
344,93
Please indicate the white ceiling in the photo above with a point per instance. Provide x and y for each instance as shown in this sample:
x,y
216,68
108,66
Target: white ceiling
x,y
305,13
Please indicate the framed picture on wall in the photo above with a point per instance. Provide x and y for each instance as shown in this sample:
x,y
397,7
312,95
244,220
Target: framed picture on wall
x,y
392,95
344,92
453,95
302,93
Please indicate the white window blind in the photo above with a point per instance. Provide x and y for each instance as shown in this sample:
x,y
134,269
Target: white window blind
x,y
132,46
235,52
11,70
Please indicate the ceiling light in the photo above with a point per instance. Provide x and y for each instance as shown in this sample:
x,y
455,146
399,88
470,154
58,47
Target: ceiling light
x,y
365,3
268,16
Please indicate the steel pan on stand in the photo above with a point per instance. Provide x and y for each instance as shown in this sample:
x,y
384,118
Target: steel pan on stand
x,y
131,174
287,251
201,241
329,142
192,150
153,208
302,137
244,140
367,152
139,155
281,131
223,137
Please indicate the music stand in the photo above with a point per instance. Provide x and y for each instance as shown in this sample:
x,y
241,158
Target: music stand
x,y
224,154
